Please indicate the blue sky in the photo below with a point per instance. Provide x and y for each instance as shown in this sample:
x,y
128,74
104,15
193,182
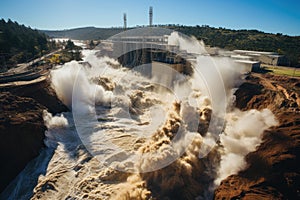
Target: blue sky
x,y
276,16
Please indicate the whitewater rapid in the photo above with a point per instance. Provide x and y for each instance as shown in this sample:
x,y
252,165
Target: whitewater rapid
x,y
123,124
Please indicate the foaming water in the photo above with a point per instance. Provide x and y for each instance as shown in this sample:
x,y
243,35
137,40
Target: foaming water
x,y
243,133
130,137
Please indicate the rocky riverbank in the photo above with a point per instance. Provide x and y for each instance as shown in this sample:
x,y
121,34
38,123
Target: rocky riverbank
x,y
21,125
273,170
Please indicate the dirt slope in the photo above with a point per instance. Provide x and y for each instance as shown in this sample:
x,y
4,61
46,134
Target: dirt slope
x,y
41,92
273,170
22,126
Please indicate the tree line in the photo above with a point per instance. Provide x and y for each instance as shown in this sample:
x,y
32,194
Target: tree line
x,y
19,44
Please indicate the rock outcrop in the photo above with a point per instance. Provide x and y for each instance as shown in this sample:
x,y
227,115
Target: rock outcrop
x,y
273,170
21,134
42,93
21,125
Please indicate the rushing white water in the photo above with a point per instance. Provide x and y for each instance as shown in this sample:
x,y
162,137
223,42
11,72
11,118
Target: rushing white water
x,y
243,133
123,123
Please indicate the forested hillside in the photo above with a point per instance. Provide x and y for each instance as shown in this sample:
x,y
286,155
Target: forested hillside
x,y
86,33
19,44
220,37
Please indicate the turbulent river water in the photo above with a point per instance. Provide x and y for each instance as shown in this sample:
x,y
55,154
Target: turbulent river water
x,y
133,137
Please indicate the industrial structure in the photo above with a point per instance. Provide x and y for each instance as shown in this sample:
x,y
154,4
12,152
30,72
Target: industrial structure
x,y
269,58
137,49
252,59
151,55
125,21
150,16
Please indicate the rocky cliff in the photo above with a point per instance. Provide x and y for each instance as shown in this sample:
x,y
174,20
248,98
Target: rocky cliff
x,y
41,92
21,125
273,170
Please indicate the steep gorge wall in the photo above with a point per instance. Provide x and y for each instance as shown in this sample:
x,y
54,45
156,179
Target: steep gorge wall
x,y
22,127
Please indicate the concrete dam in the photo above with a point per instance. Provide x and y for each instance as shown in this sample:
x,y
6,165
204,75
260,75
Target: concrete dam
x,y
150,55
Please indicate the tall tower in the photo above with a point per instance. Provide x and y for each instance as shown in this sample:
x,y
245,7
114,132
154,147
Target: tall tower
x,y
150,16
125,21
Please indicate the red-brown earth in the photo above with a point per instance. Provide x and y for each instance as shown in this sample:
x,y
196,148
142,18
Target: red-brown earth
x,y
273,170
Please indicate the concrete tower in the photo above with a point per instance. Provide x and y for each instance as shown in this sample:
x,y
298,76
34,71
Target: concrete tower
x,y
125,21
150,16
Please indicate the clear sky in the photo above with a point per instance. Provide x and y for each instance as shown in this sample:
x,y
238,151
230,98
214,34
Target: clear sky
x,y
276,16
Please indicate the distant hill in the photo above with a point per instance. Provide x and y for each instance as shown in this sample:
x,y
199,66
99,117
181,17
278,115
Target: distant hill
x,y
86,33
19,44
220,37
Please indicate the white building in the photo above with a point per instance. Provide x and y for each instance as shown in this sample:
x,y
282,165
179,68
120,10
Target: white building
x,y
269,58
249,65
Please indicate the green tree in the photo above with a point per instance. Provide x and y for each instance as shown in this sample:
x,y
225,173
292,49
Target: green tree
x,y
70,45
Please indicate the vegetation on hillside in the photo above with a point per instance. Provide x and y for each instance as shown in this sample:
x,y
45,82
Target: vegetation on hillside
x,y
220,37
70,52
87,33
19,44
287,71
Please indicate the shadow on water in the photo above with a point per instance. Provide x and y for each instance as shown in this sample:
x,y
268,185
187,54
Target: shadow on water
x,y
22,186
